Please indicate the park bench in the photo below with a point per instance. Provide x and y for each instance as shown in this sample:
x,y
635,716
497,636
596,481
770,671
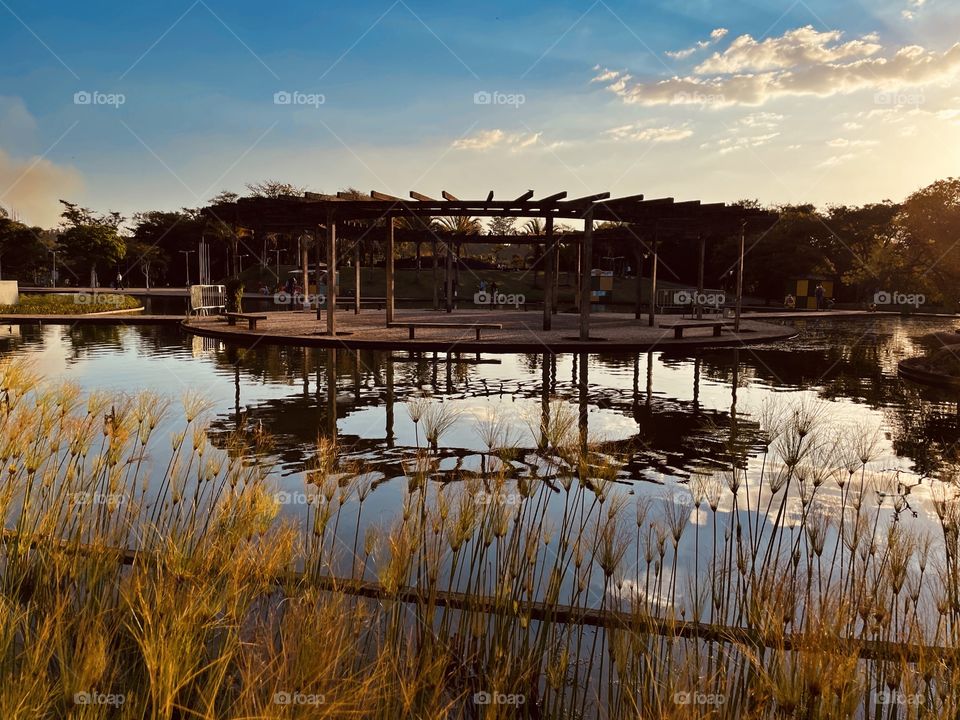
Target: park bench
x,y
251,319
679,327
412,326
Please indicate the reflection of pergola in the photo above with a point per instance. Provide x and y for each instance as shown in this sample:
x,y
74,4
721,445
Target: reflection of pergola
x,y
642,225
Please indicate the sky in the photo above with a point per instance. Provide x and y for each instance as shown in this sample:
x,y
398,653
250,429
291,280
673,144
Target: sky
x,y
161,105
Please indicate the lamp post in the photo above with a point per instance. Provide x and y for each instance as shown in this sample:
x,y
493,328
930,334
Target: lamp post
x,y
53,276
240,260
186,260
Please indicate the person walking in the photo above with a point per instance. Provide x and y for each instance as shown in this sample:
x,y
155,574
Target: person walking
x,y
819,293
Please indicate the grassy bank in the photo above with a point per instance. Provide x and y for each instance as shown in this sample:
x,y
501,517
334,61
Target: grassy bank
x,y
232,610
70,304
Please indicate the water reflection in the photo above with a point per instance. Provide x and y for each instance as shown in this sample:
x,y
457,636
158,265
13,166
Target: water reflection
x,y
666,415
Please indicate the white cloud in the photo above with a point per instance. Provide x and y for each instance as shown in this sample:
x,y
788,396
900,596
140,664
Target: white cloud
x,y
798,63
761,120
637,133
844,142
835,160
802,46
487,139
32,187
715,37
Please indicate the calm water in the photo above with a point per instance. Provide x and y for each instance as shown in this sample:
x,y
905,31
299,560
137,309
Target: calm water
x,y
669,415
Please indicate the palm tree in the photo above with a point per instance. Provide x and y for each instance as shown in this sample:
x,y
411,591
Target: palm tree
x,y
534,226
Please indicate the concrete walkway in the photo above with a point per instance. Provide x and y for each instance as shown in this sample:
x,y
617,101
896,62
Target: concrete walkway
x,y
610,332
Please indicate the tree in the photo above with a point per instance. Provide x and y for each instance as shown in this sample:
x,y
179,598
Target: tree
x,y
502,226
90,240
274,189
157,239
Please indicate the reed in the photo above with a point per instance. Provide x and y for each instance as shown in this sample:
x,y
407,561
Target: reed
x,y
152,574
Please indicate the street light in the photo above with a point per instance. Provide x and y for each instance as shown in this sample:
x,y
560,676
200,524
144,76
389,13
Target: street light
x,y
53,276
186,259
240,260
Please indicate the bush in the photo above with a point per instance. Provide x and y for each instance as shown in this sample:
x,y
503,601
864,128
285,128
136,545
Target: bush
x,y
70,304
234,287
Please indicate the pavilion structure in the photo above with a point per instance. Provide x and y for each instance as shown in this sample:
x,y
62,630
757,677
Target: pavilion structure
x,y
640,226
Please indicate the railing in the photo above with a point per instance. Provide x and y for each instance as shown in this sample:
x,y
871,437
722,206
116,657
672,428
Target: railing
x,y
688,300
204,298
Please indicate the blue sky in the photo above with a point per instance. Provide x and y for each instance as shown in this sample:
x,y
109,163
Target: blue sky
x,y
780,101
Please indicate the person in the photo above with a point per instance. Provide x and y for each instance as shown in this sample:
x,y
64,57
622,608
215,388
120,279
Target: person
x,y
119,284
819,293
789,302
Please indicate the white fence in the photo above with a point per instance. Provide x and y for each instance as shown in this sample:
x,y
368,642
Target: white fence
x,y
207,298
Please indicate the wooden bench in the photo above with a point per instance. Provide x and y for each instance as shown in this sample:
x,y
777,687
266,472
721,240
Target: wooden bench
x,y
679,327
232,318
412,326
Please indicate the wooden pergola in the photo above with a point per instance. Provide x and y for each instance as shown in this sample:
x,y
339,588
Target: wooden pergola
x,y
641,225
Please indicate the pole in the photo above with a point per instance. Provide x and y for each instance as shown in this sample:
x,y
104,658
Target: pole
x,y
389,270
356,277
548,280
586,275
743,240
653,280
331,275
700,288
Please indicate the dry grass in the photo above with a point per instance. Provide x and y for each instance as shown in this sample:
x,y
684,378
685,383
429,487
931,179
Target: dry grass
x,y
228,611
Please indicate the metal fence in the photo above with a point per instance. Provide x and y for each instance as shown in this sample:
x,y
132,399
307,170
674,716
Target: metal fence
x,y
207,298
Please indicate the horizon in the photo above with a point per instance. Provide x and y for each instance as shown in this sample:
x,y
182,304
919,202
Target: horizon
x,y
162,107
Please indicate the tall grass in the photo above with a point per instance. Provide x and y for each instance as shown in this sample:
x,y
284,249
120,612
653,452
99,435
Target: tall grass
x,y
153,576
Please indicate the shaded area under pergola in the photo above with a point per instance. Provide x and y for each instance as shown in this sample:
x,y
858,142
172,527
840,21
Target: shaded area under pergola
x,y
641,226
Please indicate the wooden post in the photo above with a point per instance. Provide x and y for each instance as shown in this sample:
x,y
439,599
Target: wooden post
x,y
436,289
700,288
586,267
548,280
556,279
331,274
390,290
638,309
743,240
449,276
305,261
653,281
319,255
356,278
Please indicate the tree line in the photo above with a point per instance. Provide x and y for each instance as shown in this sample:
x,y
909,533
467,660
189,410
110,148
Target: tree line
x,y
905,247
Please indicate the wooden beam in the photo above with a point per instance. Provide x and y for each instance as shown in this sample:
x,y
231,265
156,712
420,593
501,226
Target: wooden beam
x,y
448,196
383,196
356,277
490,196
421,197
653,281
588,199
553,198
526,196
